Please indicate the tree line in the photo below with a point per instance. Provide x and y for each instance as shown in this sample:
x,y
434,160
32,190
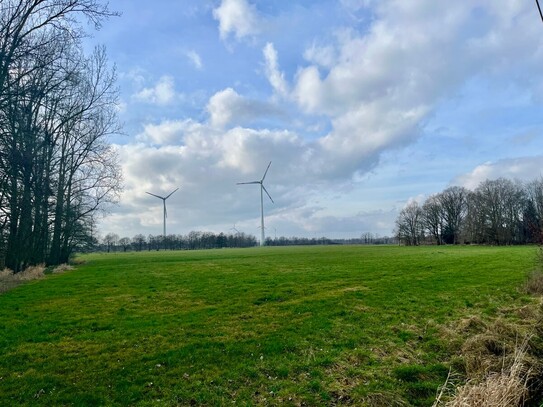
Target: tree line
x,y
57,107
192,241
209,240
367,238
497,212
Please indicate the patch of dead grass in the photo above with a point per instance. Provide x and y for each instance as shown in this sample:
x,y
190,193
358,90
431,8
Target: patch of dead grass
x,y
62,268
506,388
501,370
31,273
9,280
384,399
534,283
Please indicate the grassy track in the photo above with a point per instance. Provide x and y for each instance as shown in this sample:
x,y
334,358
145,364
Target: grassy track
x,y
262,326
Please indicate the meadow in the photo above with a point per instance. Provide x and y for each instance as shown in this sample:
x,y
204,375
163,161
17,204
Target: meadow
x,y
346,325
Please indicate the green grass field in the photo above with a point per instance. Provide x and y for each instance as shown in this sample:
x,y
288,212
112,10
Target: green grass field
x,y
262,326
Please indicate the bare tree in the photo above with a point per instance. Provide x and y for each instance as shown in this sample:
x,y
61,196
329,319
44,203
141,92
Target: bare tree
x,y
453,201
111,240
138,242
409,225
533,212
433,217
501,203
124,242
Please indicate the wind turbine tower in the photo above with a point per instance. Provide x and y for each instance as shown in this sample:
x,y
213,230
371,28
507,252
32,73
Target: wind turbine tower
x,y
262,190
164,202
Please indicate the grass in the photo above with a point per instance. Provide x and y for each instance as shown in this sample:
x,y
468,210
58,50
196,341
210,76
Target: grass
x,y
498,389
9,280
262,326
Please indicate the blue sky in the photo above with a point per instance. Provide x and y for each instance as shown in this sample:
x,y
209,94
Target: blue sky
x,y
361,105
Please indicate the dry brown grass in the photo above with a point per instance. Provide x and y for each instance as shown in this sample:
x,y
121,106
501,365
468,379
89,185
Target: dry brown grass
x,y
9,280
534,283
384,399
507,388
500,370
31,273
62,268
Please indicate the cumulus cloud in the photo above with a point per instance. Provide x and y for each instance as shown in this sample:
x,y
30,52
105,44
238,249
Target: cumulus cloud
x,y
324,56
169,132
223,105
521,168
228,108
205,164
162,93
236,17
379,87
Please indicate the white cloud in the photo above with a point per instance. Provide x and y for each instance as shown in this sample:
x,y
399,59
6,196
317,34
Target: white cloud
x,y
162,93
223,106
206,164
274,75
379,87
195,59
228,108
324,56
236,17
135,75
169,132
313,222
522,168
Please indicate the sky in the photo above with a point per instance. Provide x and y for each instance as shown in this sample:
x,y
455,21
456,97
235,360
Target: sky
x,y
361,106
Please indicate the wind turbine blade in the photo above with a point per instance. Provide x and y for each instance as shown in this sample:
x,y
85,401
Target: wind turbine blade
x,y
154,195
171,193
265,190
165,211
265,172
245,183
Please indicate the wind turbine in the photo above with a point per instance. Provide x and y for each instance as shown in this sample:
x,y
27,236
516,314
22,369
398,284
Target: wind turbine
x,y
262,190
164,202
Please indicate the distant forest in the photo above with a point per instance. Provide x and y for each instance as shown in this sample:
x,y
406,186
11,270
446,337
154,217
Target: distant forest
x,y
497,212
208,240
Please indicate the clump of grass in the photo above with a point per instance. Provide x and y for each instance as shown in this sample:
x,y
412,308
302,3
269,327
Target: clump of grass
x,y
384,399
506,388
499,371
31,273
534,283
9,280
62,268
489,351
